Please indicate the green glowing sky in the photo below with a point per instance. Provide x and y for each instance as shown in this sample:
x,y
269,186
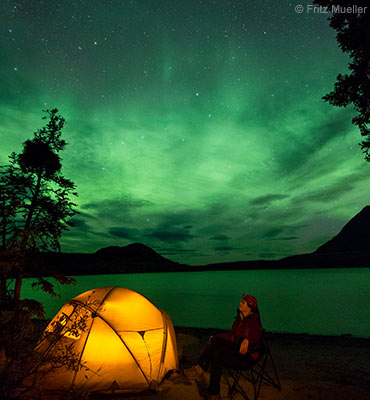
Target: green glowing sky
x,y
195,127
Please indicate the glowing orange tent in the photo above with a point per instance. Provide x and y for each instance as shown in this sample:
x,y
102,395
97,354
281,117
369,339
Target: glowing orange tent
x,y
126,344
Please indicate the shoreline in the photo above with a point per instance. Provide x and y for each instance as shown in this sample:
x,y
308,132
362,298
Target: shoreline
x,y
189,268
200,332
309,367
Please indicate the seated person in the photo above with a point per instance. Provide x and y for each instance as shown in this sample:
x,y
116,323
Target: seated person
x,y
238,347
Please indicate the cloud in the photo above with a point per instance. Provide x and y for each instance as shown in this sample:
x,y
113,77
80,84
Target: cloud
x,y
177,218
171,236
118,209
124,233
79,223
287,232
83,231
294,155
268,199
286,238
341,186
174,250
212,230
273,232
220,237
226,248
269,255
80,227
125,203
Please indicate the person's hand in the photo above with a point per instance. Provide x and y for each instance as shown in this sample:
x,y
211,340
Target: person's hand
x,y
244,346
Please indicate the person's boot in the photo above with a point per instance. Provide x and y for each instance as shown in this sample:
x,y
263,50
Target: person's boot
x,y
195,372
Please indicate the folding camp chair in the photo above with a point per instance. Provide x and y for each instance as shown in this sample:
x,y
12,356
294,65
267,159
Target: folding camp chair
x,y
257,373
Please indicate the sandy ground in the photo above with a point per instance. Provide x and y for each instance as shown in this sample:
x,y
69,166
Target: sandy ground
x,y
309,367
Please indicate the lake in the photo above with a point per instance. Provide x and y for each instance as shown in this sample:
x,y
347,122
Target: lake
x,y
314,301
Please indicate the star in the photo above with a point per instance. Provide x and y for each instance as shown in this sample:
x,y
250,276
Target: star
x,y
141,76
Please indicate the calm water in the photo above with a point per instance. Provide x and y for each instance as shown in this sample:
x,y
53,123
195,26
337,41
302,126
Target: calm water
x,y
324,301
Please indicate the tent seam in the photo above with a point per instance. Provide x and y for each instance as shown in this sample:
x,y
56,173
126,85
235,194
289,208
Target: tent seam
x,y
164,345
82,351
104,320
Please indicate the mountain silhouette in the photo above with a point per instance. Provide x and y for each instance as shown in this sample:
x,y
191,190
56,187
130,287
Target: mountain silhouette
x,y
134,258
349,248
354,236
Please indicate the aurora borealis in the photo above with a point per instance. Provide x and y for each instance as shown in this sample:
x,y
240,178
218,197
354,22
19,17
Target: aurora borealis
x,y
196,128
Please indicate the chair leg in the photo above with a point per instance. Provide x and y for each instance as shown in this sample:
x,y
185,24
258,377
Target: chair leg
x,y
242,392
275,382
256,375
259,379
236,385
277,385
235,381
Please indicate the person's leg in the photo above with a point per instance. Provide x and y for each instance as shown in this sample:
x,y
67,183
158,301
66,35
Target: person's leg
x,y
224,353
215,377
216,355
245,361
206,357
204,361
214,347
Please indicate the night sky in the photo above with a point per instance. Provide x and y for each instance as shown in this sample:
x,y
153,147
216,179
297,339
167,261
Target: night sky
x,y
194,127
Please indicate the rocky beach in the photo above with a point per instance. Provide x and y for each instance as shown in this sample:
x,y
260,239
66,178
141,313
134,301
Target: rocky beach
x,y
310,368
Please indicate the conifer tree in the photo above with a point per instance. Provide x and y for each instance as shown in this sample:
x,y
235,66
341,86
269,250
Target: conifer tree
x,y
35,205
353,36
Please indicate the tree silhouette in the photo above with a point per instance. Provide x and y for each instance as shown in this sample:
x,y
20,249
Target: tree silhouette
x,y
35,204
353,36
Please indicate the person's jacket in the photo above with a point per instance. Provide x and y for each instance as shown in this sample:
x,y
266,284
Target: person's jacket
x,y
249,328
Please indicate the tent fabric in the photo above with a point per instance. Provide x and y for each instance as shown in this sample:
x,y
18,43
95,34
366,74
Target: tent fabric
x,y
125,344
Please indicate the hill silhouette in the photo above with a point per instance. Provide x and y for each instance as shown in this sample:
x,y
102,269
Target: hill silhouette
x,y
349,248
354,236
134,258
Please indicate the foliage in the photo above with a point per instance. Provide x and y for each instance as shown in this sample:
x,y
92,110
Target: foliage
x,y
35,208
353,36
22,369
35,205
17,340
